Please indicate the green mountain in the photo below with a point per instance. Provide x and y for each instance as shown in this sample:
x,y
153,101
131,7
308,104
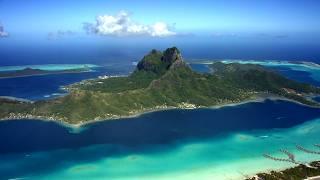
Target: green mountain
x,y
162,80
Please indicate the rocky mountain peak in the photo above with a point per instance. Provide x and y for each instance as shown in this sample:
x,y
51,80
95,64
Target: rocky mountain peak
x,y
160,62
171,55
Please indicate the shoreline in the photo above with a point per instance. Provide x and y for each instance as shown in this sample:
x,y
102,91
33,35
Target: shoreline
x,y
16,99
281,170
257,99
307,63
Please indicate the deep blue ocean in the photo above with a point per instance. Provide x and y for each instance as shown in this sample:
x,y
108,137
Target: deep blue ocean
x,y
127,50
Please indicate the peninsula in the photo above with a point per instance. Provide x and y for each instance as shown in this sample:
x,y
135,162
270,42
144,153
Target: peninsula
x,y
161,80
36,72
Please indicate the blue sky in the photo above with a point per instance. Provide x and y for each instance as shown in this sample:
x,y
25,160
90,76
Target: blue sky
x,y
108,30
200,17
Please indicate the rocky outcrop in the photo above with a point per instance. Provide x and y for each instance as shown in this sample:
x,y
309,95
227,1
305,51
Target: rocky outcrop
x,y
171,55
159,62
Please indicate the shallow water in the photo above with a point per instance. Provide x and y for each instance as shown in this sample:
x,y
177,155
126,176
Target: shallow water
x,y
228,157
187,140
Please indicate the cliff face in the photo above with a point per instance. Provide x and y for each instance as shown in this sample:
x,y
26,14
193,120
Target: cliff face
x,y
150,62
171,55
159,62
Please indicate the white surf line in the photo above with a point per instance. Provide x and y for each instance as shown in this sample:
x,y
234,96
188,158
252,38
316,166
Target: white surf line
x,y
17,178
16,99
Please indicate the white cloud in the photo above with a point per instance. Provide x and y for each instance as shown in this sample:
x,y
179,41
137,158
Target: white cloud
x,y
161,29
2,32
122,25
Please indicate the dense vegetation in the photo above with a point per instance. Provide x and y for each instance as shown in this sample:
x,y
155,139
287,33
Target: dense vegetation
x,y
257,78
161,80
297,173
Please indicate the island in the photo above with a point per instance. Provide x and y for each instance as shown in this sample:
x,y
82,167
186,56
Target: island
x,y
37,72
161,80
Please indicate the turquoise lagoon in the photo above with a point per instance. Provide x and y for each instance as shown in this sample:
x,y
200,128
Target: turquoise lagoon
x,y
235,156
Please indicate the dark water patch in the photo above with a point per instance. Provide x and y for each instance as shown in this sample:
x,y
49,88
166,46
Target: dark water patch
x,y
46,86
153,128
317,98
200,68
